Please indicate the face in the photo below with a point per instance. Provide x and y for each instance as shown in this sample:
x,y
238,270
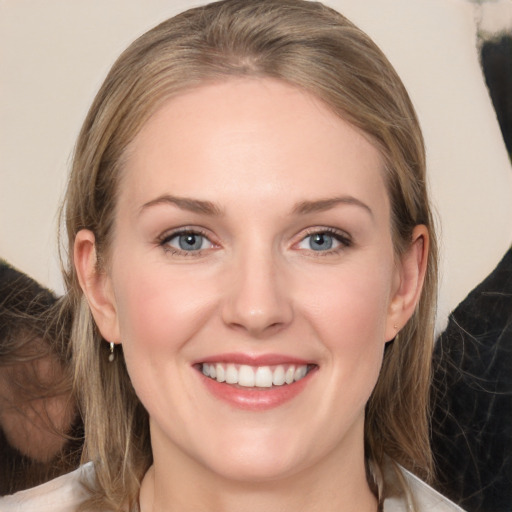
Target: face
x,y
252,280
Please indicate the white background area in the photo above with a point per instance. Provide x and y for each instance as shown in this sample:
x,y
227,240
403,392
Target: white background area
x,y
55,54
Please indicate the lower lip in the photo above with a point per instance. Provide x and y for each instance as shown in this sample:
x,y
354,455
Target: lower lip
x,y
256,399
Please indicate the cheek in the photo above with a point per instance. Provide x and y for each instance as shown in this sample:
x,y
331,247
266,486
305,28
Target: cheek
x,y
158,309
356,334
350,317
159,313
352,305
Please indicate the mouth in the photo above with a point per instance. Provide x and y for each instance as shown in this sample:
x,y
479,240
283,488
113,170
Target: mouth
x,y
249,376
255,382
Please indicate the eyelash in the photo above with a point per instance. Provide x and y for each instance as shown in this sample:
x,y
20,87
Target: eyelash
x,y
341,237
163,241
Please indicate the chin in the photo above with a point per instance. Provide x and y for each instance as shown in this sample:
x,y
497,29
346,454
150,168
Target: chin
x,y
262,459
255,470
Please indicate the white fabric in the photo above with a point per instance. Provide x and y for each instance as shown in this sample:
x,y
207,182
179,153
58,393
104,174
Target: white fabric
x,y
425,498
64,494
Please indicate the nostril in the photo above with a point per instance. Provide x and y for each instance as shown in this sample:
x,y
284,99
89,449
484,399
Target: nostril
x,y
257,301
258,327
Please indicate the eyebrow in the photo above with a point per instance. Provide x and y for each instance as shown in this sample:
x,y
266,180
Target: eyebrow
x,y
185,203
209,208
321,205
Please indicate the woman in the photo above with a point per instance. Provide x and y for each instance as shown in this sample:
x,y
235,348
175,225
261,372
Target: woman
x,y
253,272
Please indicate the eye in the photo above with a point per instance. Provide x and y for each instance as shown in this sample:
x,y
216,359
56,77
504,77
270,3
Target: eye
x,y
186,241
324,241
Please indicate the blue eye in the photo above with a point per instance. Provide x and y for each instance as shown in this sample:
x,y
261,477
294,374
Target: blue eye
x,y
187,241
190,242
324,241
321,242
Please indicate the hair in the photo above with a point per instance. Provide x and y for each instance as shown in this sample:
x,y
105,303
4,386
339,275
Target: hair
x,y
23,304
316,49
35,373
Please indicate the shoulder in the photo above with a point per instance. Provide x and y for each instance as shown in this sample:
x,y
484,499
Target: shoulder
x,y
63,494
425,498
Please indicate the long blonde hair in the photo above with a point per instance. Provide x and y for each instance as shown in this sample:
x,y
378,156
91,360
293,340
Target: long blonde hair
x,y
316,49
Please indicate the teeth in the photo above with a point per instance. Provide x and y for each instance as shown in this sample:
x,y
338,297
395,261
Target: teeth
x,y
255,376
246,376
231,374
300,373
221,374
278,377
263,377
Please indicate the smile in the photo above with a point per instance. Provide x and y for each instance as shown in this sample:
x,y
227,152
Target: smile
x,y
255,376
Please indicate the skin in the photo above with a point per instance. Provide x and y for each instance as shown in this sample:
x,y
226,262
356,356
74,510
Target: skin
x,y
258,151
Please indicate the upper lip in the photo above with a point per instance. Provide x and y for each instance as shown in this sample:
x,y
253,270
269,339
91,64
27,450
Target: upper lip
x,y
254,359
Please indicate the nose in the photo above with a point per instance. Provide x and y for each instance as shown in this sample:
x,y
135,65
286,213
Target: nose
x,y
257,296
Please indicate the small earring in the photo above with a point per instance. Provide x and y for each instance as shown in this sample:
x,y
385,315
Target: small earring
x,y
111,355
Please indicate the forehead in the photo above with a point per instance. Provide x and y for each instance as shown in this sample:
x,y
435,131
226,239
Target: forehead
x,y
258,137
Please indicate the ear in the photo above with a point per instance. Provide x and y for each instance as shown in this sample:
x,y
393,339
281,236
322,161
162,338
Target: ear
x,y
409,283
96,285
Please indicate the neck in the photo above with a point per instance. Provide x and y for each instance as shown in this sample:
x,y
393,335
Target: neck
x,y
185,485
